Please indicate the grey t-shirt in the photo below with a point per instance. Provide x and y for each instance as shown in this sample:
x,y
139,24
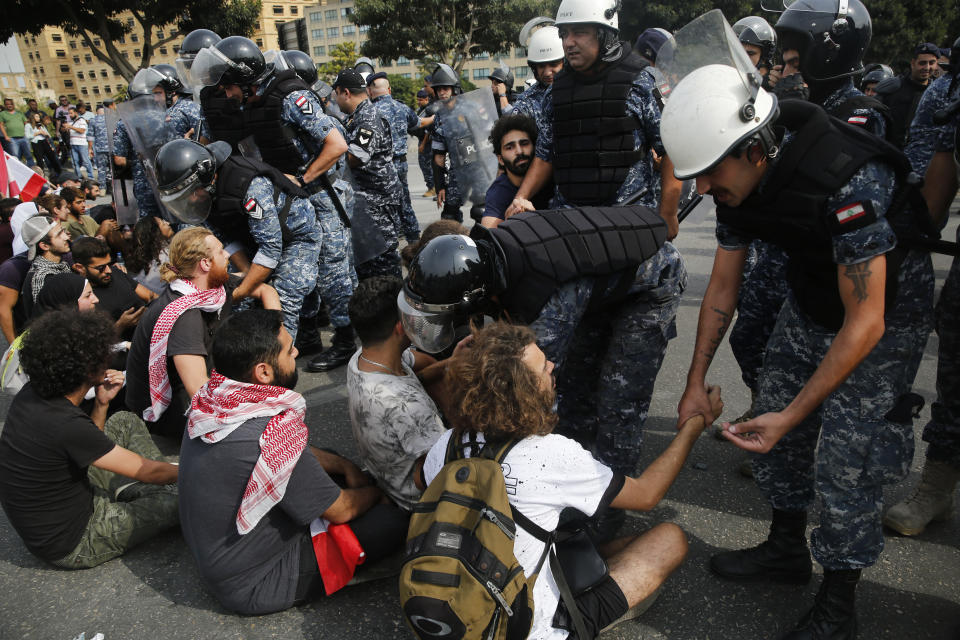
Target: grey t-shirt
x,y
255,573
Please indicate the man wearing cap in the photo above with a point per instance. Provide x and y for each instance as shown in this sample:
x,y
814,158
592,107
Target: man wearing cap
x,y
902,94
370,155
46,242
101,148
402,120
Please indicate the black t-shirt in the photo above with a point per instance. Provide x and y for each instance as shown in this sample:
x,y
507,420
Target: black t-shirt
x,y
501,193
45,449
192,334
12,274
102,212
118,296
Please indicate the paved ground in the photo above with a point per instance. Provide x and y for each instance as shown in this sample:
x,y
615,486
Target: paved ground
x,y
154,591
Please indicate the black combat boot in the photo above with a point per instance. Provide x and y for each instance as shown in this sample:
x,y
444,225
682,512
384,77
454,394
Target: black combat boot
x,y
308,337
833,616
783,557
338,354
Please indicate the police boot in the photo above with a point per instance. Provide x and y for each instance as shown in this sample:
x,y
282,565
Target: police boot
x,y
339,352
783,557
308,336
450,212
833,616
931,501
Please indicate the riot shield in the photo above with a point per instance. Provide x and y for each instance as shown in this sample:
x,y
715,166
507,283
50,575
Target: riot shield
x,y
126,204
466,121
145,120
368,241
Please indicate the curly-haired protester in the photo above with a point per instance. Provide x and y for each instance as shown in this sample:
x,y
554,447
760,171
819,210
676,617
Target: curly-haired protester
x,y
502,387
65,477
151,239
433,230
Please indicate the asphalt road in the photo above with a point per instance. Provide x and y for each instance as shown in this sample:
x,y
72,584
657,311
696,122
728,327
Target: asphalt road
x,y
154,591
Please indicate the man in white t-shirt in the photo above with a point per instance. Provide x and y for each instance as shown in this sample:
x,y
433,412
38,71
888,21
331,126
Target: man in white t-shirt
x,y
394,420
502,386
80,150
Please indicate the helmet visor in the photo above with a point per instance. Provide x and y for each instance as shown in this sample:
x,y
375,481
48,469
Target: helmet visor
x,y
208,68
430,332
189,200
145,81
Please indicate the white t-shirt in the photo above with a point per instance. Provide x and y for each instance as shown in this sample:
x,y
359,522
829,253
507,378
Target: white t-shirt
x,y
394,423
544,475
79,137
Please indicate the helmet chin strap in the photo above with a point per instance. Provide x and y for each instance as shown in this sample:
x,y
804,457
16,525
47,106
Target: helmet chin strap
x,y
610,46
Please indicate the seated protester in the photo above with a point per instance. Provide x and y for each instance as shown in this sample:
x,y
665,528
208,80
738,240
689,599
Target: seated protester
x,y
67,179
514,139
90,189
120,295
151,237
54,205
503,388
65,477
12,274
394,419
168,356
21,212
78,223
47,242
255,498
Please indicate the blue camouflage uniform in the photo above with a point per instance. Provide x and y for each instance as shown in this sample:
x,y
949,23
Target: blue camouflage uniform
x,y
530,103
142,192
608,362
425,157
101,149
852,445
185,115
295,262
762,292
376,184
924,134
336,277
401,118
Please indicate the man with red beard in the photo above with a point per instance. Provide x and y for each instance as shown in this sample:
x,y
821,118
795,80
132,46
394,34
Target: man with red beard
x,y
514,139
169,353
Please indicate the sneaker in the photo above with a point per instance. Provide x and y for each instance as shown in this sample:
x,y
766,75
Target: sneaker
x,y
127,492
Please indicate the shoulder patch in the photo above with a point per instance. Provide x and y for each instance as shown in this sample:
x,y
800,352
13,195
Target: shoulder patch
x,y
253,208
303,103
364,138
857,120
852,217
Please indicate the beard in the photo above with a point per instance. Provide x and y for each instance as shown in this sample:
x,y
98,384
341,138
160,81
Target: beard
x,y
516,168
218,276
287,380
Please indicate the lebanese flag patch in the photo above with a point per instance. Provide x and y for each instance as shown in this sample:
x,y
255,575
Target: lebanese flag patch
x,y
851,213
857,120
338,553
303,103
254,210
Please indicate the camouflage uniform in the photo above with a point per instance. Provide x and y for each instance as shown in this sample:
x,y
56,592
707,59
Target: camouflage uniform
x,y
425,158
452,134
530,103
101,150
870,119
185,115
146,201
335,276
924,134
845,451
401,118
294,263
608,363
376,183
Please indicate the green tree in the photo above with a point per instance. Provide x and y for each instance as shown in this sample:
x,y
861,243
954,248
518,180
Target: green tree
x,y
106,21
449,31
342,56
635,17
900,25
404,89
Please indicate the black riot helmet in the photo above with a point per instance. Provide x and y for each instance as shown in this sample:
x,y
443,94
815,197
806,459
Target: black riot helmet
x,y
876,73
248,65
185,172
171,83
502,74
364,66
830,36
449,280
756,31
196,40
444,76
302,64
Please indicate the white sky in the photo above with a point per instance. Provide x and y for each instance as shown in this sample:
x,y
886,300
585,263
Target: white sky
x,y
10,61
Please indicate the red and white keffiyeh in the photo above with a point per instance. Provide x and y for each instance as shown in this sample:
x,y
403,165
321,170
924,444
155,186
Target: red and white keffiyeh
x,y
222,405
191,298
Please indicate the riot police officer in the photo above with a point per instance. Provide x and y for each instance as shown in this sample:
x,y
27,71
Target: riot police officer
x,y
192,43
878,73
501,85
183,114
101,148
760,41
251,203
545,59
859,300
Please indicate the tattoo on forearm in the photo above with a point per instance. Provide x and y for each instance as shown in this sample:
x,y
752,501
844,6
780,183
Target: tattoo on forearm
x,y
859,274
711,349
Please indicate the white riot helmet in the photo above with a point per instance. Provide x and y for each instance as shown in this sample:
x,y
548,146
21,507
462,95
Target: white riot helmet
x,y
545,45
599,12
703,121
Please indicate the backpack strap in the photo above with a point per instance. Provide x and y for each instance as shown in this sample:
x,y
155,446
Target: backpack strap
x,y
568,598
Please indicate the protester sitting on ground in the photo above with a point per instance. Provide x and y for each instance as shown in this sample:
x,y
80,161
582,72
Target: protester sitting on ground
x,y
90,189
151,237
514,139
503,388
120,295
169,351
433,230
55,205
65,476
67,179
47,243
79,224
265,522
13,272
394,420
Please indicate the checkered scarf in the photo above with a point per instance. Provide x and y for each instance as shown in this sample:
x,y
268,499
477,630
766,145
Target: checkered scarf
x,y
222,405
191,298
40,270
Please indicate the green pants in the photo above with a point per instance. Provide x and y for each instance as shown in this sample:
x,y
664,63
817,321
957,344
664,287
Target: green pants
x,y
114,526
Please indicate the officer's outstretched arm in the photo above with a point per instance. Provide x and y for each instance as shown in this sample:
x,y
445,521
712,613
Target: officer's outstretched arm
x,y
862,290
940,185
537,176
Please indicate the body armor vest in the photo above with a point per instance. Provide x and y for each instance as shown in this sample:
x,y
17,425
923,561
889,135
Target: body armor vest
x,y
223,116
228,213
542,251
593,134
818,162
263,120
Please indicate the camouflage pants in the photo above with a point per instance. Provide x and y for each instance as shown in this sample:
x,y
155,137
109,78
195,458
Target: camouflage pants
x,y
115,527
608,360
335,277
409,226
104,175
849,448
425,160
761,296
294,278
146,201
943,430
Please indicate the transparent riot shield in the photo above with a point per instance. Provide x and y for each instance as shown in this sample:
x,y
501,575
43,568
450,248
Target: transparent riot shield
x,y
126,204
466,121
145,120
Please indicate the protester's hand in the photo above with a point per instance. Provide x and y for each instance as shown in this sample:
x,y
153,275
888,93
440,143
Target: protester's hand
x,y
441,198
108,389
696,401
519,205
129,318
774,75
758,435
462,347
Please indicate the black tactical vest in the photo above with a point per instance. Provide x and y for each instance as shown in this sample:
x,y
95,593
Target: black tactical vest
x,y
223,116
228,214
822,157
592,131
544,250
273,136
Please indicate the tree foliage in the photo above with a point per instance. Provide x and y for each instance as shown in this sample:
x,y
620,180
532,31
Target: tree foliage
x,y
342,56
404,89
449,31
106,21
